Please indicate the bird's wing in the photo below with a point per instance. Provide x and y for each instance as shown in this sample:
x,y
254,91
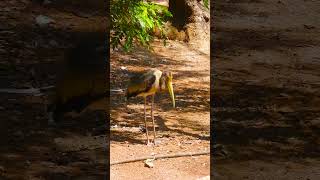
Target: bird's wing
x,y
140,83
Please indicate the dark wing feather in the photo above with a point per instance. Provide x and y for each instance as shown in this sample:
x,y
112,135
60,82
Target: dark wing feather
x,y
140,83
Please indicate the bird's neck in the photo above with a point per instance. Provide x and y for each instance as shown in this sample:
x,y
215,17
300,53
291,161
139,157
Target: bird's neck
x,y
162,83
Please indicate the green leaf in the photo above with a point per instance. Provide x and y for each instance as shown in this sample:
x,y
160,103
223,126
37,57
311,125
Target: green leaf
x,y
206,3
134,21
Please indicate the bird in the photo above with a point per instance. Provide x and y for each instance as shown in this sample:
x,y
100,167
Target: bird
x,y
148,84
82,85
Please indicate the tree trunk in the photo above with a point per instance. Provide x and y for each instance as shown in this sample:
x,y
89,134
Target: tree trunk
x,y
180,11
192,17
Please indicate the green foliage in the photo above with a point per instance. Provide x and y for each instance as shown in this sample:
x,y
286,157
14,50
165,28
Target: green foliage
x,y
133,21
206,3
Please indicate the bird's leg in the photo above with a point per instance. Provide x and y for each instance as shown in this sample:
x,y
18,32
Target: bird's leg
x,y
145,120
52,112
154,128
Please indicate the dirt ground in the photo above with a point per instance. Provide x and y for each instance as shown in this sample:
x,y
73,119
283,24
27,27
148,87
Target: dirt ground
x,y
29,148
265,97
30,57
266,89
183,129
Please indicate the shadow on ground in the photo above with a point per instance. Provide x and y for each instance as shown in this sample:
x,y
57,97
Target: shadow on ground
x,y
189,98
32,58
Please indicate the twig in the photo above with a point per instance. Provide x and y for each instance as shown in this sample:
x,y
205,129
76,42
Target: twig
x,y
161,157
117,90
38,90
25,91
21,91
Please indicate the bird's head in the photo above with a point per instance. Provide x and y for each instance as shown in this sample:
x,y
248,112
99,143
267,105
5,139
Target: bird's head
x,y
167,79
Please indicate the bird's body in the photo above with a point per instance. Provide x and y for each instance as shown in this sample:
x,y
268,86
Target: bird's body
x,y
144,84
148,84
81,85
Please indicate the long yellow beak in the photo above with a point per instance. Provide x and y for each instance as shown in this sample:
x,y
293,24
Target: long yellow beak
x,y
170,89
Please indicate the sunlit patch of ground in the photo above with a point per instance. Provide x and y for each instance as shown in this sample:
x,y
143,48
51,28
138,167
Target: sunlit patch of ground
x,y
183,129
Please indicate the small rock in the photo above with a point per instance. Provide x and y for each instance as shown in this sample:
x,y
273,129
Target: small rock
x,y
2,170
18,134
224,152
114,126
149,163
28,163
46,2
285,109
315,122
43,21
123,68
218,147
295,141
6,9
142,129
82,14
308,26
284,95
53,43
204,178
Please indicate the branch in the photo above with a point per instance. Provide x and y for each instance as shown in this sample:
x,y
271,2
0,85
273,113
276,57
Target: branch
x,y
33,91
161,157
38,90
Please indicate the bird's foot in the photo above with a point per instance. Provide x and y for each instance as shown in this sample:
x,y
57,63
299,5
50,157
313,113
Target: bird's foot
x,y
155,142
149,143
